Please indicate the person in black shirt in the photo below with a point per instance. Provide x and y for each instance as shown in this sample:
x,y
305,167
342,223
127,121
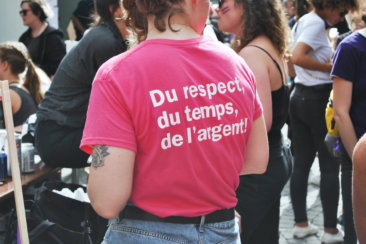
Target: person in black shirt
x,y
62,114
45,43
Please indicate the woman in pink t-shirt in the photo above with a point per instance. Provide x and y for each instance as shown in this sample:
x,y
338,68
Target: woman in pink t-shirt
x,y
171,124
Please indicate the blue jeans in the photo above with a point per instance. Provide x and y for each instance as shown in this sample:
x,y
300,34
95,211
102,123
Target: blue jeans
x,y
139,231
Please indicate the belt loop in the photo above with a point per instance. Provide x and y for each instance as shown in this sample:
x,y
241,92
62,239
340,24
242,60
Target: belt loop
x,y
203,218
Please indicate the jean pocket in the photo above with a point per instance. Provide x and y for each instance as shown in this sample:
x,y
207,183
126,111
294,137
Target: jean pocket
x,y
225,225
222,233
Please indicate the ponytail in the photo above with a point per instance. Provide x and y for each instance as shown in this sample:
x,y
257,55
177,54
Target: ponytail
x,y
33,83
16,54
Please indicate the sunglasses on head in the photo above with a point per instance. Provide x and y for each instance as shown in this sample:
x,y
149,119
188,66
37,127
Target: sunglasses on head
x,y
23,11
343,13
221,2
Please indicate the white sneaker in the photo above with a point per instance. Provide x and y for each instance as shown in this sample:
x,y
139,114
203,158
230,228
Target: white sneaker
x,y
302,232
332,238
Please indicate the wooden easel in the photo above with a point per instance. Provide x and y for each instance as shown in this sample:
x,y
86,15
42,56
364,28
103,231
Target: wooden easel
x,y
15,172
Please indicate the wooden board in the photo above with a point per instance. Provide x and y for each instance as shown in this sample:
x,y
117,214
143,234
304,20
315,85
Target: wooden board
x,y
14,164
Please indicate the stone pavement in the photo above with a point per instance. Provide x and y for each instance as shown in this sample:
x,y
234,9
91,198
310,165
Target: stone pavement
x,y
315,213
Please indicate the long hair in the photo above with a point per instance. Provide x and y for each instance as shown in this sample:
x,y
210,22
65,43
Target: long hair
x,y
102,11
138,10
16,55
263,17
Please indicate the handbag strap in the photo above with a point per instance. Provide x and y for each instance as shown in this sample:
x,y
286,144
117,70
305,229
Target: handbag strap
x,y
41,228
274,60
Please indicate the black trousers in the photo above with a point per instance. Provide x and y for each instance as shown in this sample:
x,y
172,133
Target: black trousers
x,y
259,199
350,236
307,115
58,146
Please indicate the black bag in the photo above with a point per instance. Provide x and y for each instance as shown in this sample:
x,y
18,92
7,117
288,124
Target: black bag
x,y
54,218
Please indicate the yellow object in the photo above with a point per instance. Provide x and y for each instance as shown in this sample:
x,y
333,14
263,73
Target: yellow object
x,y
329,118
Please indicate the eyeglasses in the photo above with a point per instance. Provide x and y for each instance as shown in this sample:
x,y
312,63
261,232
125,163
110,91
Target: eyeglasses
x,y
343,13
23,11
221,2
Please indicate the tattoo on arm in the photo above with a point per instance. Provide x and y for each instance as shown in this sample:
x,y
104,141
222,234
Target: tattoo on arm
x,y
99,153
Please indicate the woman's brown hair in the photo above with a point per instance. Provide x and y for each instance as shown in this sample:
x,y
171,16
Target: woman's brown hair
x,y
302,7
16,55
139,10
102,11
263,17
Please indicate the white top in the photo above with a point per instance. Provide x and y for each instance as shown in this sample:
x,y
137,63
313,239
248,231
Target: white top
x,y
209,32
310,29
363,32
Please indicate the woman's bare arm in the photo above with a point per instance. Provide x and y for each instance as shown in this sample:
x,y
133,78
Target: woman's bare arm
x,y
342,97
110,179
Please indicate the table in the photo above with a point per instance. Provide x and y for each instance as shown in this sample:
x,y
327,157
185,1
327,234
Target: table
x,y
41,172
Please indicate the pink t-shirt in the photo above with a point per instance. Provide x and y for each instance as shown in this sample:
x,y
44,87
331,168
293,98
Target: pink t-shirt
x,y
186,108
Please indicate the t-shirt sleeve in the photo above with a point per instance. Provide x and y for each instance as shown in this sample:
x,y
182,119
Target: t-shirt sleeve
x,y
345,62
312,35
108,119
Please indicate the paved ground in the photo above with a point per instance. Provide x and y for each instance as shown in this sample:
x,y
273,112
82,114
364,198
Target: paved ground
x,y
315,214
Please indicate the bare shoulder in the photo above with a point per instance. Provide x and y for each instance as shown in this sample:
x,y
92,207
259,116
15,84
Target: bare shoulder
x,y
254,49
16,100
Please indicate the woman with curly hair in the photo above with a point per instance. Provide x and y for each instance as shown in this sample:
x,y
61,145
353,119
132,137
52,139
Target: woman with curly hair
x,y
312,58
262,33
170,132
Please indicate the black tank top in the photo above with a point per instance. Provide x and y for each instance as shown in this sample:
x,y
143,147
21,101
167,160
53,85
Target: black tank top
x,y
280,105
27,107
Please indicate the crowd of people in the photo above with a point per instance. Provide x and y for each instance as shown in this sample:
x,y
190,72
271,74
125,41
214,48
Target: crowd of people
x,y
185,132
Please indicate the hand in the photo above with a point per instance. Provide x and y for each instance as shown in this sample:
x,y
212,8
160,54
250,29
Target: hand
x,y
238,218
